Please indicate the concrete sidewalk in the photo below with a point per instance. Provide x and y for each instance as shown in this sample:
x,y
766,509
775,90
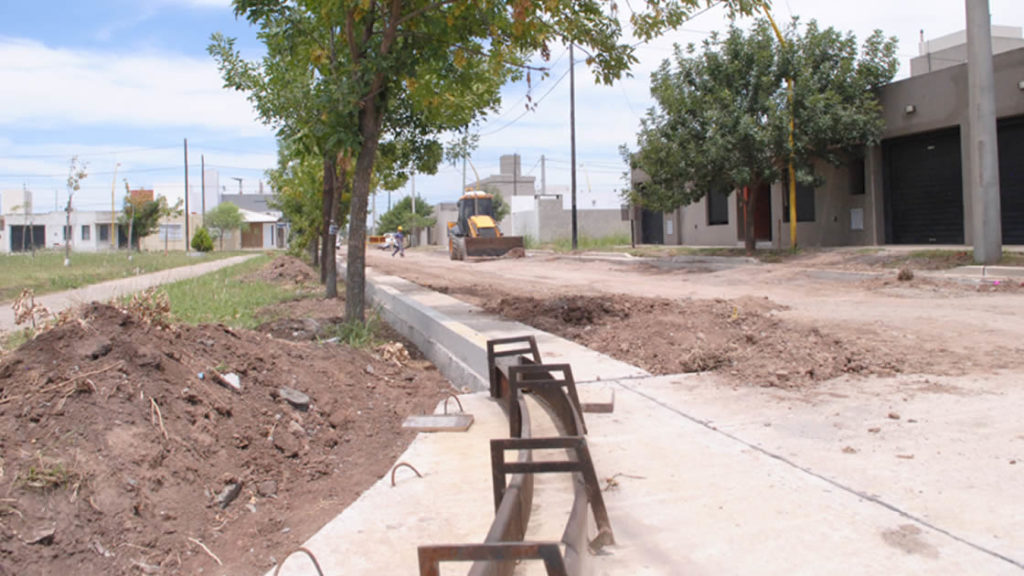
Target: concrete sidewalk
x,y
702,478
104,291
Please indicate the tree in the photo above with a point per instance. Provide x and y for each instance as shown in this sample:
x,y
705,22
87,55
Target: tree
x,y
143,216
76,173
402,214
406,71
498,204
223,218
201,241
722,119
298,184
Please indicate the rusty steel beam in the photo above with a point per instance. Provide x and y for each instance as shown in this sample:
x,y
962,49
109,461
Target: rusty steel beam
x,y
430,557
499,348
582,463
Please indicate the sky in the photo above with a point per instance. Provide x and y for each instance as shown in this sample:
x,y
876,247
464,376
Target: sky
x,y
122,84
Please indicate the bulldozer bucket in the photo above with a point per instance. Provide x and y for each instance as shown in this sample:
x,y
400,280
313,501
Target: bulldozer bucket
x,y
493,246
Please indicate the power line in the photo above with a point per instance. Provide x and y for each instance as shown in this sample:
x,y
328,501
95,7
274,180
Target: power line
x,y
525,112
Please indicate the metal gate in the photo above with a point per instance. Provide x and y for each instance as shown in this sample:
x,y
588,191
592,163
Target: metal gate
x,y
1011,179
924,196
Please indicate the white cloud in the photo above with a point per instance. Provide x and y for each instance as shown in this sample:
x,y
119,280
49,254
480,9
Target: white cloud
x,y
53,87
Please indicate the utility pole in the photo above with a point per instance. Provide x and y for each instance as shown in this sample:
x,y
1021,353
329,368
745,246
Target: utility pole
x,y
572,129
983,155
186,201
113,210
543,176
465,154
202,163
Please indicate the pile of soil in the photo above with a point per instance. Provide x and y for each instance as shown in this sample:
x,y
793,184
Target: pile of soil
x,y
742,339
288,269
123,452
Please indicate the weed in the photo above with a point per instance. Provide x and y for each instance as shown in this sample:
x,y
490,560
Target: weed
x,y
14,340
360,334
49,475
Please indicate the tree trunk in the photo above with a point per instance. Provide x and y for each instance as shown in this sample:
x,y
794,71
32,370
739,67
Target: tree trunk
x,y
355,286
325,214
750,211
331,260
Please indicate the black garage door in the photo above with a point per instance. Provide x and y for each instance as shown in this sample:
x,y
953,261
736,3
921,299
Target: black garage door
x,y
924,189
1011,179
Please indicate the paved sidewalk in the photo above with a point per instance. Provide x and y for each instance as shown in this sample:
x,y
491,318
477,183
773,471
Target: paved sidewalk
x,y
104,291
901,475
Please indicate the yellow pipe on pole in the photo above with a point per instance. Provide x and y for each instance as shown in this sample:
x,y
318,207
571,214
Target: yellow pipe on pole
x,y
792,129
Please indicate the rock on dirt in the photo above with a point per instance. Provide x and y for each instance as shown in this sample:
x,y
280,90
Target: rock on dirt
x,y
122,448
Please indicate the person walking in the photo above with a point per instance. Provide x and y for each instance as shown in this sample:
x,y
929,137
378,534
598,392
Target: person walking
x,y
399,243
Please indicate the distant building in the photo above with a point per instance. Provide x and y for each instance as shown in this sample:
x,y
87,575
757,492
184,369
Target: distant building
x,y
909,190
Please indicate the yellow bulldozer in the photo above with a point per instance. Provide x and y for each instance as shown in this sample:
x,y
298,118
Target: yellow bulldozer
x,y
475,233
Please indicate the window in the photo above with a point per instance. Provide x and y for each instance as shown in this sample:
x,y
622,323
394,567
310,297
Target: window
x,y
170,232
86,232
67,233
804,203
718,208
104,232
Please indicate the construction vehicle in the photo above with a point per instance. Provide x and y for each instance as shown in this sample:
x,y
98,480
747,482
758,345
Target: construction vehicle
x,y
475,233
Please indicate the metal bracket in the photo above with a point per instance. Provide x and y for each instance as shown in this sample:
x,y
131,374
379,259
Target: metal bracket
x,y
582,463
430,557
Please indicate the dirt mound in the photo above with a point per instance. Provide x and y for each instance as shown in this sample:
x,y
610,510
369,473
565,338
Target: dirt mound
x,y
742,338
121,452
286,269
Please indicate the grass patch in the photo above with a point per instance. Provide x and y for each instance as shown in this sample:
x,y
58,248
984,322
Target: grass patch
x,y
770,255
358,334
615,242
45,272
47,475
227,297
14,340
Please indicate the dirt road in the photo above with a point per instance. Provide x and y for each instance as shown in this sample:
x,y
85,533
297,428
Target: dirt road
x,y
935,319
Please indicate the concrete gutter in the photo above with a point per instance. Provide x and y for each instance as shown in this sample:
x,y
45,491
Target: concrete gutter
x,y
989,272
704,478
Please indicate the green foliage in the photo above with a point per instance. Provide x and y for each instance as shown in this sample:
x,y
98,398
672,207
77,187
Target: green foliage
x,y
14,340
370,80
360,334
201,241
722,118
45,273
223,218
498,205
298,182
143,216
591,244
401,214
224,297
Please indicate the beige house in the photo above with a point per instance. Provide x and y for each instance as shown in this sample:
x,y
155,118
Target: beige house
x,y
908,190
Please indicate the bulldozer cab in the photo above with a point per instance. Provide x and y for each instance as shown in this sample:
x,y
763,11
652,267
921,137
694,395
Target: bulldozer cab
x,y
475,233
471,206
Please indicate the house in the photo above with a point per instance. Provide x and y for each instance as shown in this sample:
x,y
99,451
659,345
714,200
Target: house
x,y
22,230
544,215
265,227
908,190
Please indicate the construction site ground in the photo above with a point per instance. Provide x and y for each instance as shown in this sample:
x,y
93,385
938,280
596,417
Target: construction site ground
x,y
814,416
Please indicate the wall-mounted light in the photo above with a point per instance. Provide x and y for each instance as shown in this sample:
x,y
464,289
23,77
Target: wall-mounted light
x,y
910,109
1020,85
